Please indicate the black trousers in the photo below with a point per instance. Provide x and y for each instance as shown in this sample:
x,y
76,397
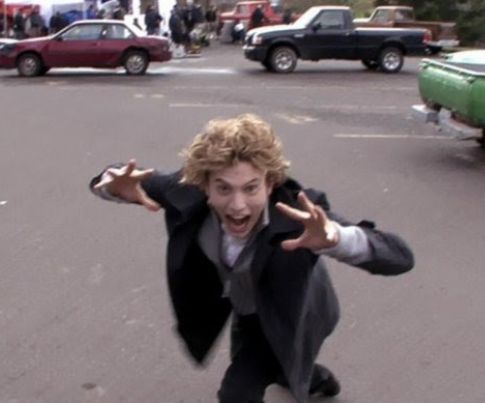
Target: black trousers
x,y
253,365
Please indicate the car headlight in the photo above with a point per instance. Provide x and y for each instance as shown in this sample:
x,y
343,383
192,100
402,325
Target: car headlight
x,y
257,40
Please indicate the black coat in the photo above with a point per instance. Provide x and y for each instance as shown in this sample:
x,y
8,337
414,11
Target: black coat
x,y
295,301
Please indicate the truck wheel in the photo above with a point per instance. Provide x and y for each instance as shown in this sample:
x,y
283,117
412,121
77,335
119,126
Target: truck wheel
x,y
370,64
283,59
29,65
136,62
391,59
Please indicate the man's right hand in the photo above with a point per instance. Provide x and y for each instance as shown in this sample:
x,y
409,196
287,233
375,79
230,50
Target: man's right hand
x,y
125,183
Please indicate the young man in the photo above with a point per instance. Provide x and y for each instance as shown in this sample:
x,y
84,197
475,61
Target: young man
x,y
246,238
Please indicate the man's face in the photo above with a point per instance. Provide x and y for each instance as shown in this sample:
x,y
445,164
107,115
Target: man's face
x,y
239,195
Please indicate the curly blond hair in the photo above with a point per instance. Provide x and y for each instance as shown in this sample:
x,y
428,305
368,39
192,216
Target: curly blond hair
x,y
224,142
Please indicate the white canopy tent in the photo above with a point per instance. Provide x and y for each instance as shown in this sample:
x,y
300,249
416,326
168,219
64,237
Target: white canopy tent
x,y
49,7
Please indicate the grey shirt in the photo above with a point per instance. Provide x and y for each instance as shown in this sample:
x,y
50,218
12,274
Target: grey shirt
x,y
233,257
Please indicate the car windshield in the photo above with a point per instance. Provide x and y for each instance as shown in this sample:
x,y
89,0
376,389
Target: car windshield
x,y
306,17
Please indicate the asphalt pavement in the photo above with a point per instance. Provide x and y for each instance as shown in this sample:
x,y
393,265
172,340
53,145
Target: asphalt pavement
x,y
84,310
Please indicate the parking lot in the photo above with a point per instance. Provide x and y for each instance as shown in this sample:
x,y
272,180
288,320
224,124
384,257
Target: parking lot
x,y
84,310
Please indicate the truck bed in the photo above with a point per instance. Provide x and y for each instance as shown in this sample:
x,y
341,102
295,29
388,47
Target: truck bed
x,y
457,85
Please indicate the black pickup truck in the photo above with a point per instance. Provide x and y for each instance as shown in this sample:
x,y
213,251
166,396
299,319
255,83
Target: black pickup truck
x,y
328,32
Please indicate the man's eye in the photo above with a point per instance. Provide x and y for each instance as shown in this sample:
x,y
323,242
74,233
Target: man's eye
x,y
224,189
251,189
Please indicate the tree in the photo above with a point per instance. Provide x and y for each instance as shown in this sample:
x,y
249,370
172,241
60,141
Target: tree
x,y
431,10
468,14
471,22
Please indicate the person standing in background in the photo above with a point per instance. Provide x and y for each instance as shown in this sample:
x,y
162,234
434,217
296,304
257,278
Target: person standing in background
x,y
19,25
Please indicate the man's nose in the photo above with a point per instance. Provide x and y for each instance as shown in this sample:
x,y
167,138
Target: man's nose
x,y
238,202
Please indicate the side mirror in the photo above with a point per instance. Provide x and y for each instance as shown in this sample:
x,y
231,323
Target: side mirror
x,y
59,38
317,26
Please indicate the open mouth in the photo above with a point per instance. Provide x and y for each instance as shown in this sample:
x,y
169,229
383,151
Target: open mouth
x,y
237,225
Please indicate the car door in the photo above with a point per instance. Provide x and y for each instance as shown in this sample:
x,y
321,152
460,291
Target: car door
x,y
75,47
331,36
115,38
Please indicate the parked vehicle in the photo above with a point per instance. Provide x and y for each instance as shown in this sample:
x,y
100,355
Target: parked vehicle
x,y
443,34
453,92
244,9
91,43
327,32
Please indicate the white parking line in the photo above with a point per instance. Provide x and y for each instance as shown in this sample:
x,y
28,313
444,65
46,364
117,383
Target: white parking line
x,y
391,136
205,105
365,108
296,119
191,70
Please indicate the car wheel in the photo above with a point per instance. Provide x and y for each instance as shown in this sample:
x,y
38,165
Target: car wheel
x,y
391,60
283,59
370,64
136,62
29,65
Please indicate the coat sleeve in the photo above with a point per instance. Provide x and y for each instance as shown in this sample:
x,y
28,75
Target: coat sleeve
x,y
389,253
156,186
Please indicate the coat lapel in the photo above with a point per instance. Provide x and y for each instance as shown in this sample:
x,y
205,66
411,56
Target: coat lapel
x,y
280,226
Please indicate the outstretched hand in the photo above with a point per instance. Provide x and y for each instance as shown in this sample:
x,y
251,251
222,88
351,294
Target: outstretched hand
x,y
125,183
319,233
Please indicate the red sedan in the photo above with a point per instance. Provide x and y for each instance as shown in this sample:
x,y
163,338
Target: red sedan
x,y
92,43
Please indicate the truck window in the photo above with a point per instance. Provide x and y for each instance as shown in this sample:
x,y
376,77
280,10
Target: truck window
x,y
382,16
331,19
404,15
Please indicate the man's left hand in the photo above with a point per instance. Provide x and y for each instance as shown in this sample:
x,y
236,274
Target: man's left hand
x,y
320,232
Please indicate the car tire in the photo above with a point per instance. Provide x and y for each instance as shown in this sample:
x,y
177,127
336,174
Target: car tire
x,y
283,59
370,64
391,60
135,62
29,65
